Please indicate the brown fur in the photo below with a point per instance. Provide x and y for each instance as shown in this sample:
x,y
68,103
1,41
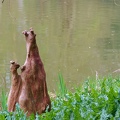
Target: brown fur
x,y
15,87
34,95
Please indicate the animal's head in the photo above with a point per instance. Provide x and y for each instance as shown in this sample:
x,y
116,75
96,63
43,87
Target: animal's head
x,y
14,66
30,36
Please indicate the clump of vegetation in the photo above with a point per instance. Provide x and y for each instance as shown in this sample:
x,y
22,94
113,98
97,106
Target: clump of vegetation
x,y
93,101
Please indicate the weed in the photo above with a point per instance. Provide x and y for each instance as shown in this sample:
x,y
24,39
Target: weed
x,y
94,101
62,87
4,100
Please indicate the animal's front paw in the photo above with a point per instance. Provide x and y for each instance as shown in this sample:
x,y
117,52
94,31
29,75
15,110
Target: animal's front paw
x,y
22,68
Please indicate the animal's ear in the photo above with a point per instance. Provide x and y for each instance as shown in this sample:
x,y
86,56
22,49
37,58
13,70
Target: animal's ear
x,y
31,30
25,33
12,62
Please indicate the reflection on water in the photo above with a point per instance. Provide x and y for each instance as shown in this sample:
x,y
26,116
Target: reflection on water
x,y
76,38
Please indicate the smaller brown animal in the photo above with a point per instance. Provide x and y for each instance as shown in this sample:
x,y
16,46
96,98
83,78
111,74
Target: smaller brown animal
x,y
15,87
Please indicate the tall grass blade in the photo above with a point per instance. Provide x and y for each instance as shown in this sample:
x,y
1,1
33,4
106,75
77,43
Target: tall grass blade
x,y
62,86
4,100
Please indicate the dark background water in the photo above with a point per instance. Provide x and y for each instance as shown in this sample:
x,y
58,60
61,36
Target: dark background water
x,y
75,37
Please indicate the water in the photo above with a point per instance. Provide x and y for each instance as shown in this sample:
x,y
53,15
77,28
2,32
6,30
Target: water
x,y
78,38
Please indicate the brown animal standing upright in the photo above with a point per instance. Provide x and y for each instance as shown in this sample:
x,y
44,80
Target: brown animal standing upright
x,y
34,95
15,87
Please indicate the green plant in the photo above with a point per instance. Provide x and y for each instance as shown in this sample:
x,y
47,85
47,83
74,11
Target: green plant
x,y
4,100
62,87
98,100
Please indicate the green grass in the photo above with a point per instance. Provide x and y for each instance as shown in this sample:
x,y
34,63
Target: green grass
x,y
62,91
99,100
3,101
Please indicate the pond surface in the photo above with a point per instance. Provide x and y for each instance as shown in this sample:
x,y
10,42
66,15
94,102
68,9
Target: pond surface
x,y
78,38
